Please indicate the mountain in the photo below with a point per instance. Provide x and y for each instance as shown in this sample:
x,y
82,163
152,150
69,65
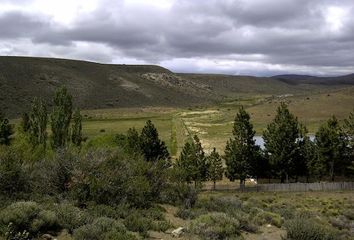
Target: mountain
x,y
306,79
96,86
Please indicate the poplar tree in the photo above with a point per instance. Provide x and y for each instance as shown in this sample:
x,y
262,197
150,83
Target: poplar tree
x,y
76,132
60,117
38,119
242,155
215,168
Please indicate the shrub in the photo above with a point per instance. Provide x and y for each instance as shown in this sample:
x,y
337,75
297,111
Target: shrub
x,y
103,228
305,229
13,179
28,217
70,217
264,217
137,223
216,226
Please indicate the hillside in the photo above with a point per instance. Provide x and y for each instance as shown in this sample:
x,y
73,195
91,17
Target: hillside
x,y
96,86
313,80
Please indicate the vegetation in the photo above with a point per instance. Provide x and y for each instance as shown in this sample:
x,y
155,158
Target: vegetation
x,y
117,186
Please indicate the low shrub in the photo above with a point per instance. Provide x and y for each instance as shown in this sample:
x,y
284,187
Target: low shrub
x,y
71,217
28,217
306,229
103,229
264,217
216,226
137,223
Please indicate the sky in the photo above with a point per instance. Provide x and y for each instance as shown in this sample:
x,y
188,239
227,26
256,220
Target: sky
x,y
243,37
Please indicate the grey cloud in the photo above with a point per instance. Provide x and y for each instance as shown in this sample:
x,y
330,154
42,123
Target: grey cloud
x,y
287,32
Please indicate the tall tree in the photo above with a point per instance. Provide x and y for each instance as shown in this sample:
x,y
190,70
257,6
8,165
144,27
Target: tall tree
x,y
349,128
60,117
6,130
215,168
151,145
38,123
76,132
242,155
192,162
281,145
332,145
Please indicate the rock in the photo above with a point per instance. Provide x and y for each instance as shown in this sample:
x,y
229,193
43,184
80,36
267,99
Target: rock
x,y
47,237
178,232
269,225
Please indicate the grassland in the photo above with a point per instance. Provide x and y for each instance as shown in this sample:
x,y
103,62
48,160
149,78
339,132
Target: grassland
x,y
213,124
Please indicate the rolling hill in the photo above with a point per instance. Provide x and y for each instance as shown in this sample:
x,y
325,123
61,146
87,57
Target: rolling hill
x,y
96,86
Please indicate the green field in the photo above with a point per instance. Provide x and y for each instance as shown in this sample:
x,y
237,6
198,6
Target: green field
x,y
213,124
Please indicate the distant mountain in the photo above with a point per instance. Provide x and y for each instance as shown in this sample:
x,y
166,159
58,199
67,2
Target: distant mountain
x,y
306,79
95,85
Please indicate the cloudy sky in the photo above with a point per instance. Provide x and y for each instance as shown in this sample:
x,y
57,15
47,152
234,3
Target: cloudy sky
x,y
254,37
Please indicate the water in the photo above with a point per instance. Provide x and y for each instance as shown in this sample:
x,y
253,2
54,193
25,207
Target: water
x,y
260,140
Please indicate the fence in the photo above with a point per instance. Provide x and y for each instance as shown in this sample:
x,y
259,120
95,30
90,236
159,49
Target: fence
x,y
289,187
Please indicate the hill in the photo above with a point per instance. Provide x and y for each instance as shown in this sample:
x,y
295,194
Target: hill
x,y
306,79
97,86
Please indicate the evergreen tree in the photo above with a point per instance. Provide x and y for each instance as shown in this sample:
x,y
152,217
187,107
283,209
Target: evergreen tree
x,y
332,145
60,117
38,119
76,132
6,130
242,156
192,162
215,170
349,127
133,141
281,145
152,147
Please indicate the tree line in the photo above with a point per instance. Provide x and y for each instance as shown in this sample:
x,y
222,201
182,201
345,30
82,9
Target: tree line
x,y
288,151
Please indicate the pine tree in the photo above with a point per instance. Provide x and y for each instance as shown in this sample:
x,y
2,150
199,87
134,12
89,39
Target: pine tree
x,y
332,145
60,117
192,162
242,156
6,130
215,170
152,147
38,120
133,141
281,143
76,132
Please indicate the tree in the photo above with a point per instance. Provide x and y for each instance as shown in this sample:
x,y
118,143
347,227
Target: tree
x,y
152,147
25,122
60,117
192,162
76,132
281,142
349,128
242,155
133,141
38,119
215,170
6,130
332,145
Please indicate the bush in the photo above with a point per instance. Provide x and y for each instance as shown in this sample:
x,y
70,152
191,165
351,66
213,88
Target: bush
x,y
305,229
28,217
262,217
13,179
216,226
103,228
137,223
70,217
